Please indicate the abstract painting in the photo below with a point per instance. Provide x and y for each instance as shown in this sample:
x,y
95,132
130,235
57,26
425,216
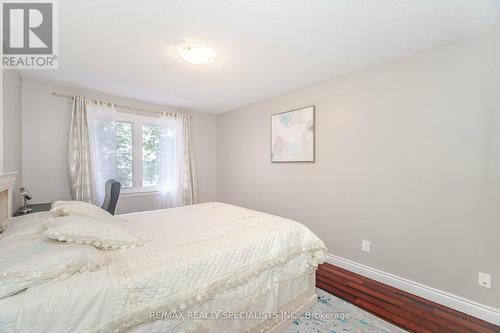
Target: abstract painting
x,y
292,136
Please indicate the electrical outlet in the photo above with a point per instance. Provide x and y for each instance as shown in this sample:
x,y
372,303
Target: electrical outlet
x,y
484,280
365,245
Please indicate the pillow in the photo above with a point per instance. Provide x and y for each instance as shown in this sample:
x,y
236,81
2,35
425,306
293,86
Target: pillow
x,y
101,233
70,202
28,262
68,208
25,225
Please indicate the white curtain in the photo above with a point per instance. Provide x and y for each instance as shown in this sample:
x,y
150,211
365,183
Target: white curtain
x,y
81,173
101,122
177,165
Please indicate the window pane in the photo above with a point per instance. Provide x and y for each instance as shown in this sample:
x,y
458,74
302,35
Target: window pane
x,y
150,155
124,153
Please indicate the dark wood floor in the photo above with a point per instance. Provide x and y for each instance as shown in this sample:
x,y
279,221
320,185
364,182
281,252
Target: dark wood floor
x,y
403,309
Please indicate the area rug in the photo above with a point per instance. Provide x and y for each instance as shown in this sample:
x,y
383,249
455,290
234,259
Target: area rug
x,y
334,315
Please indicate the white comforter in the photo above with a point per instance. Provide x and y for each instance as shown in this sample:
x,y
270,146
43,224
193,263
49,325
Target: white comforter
x,y
191,256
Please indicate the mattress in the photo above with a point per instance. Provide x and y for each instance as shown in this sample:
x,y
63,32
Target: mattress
x,y
206,258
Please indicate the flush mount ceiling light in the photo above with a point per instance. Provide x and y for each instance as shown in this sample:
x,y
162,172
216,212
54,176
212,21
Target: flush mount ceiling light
x,y
196,54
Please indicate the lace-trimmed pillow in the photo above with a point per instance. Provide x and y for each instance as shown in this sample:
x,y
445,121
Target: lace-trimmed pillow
x,y
106,234
25,225
69,208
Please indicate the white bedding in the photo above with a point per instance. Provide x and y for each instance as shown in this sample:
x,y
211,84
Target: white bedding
x,y
9,307
206,257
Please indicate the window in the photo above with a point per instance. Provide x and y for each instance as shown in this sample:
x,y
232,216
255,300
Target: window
x,y
128,149
150,155
145,154
124,153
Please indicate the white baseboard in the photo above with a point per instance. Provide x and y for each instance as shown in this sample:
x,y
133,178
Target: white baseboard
x,y
455,302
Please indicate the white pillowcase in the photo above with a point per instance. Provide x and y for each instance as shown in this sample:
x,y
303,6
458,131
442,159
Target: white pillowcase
x,y
70,202
29,261
101,233
68,208
25,225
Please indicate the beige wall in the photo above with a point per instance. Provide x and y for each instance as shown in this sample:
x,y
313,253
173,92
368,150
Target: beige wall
x,y
46,121
11,128
407,157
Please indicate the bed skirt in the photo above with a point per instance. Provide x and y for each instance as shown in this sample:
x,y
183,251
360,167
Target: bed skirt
x,y
272,313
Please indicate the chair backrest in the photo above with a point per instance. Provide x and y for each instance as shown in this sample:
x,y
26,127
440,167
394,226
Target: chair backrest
x,y
112,193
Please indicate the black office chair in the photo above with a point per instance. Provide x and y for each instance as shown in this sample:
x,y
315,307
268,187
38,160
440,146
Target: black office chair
x,y
112,193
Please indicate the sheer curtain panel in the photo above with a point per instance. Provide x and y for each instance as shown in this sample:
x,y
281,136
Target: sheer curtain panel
x,y
177,164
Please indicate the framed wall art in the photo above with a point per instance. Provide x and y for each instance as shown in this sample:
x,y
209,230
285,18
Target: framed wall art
x,y
292,135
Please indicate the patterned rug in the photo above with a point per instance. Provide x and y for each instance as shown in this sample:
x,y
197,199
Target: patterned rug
x,y
334,315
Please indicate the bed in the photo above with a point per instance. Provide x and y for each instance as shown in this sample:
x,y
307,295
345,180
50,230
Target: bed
x,y
210,267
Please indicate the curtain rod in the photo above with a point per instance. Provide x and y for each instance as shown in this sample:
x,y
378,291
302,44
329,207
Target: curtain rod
x,y
121,106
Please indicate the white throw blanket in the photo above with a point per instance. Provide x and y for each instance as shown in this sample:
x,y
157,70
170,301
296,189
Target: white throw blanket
x,y
191,256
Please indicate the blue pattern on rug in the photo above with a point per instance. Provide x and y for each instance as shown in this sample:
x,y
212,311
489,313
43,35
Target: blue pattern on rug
x,y
334,315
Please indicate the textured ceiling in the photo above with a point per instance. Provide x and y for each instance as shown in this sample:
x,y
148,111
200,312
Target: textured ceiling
x,y
265,47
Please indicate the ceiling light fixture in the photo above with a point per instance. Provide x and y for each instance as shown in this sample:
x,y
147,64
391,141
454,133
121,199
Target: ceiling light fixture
x,y
196,54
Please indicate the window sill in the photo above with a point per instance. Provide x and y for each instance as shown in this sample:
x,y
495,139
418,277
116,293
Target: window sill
x,y
138,192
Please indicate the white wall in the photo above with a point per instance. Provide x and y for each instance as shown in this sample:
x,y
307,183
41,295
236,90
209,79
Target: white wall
x,y
407,157
46,121
11,128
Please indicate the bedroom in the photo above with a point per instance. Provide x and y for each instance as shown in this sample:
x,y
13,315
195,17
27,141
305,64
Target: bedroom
x,y
334,160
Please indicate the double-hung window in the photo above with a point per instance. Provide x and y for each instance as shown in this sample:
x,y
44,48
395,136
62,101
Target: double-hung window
x,y
145,154
128,149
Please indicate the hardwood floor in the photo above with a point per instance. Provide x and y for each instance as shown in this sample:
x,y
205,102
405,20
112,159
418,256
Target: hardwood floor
x,y
403,309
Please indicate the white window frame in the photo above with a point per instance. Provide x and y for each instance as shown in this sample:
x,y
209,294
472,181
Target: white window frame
x,y
138,121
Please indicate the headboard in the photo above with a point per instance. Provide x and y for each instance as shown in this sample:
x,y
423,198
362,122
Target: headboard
x,y
7,182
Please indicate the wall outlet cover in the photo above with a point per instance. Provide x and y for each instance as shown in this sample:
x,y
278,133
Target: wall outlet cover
x,y
365,245
484,280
